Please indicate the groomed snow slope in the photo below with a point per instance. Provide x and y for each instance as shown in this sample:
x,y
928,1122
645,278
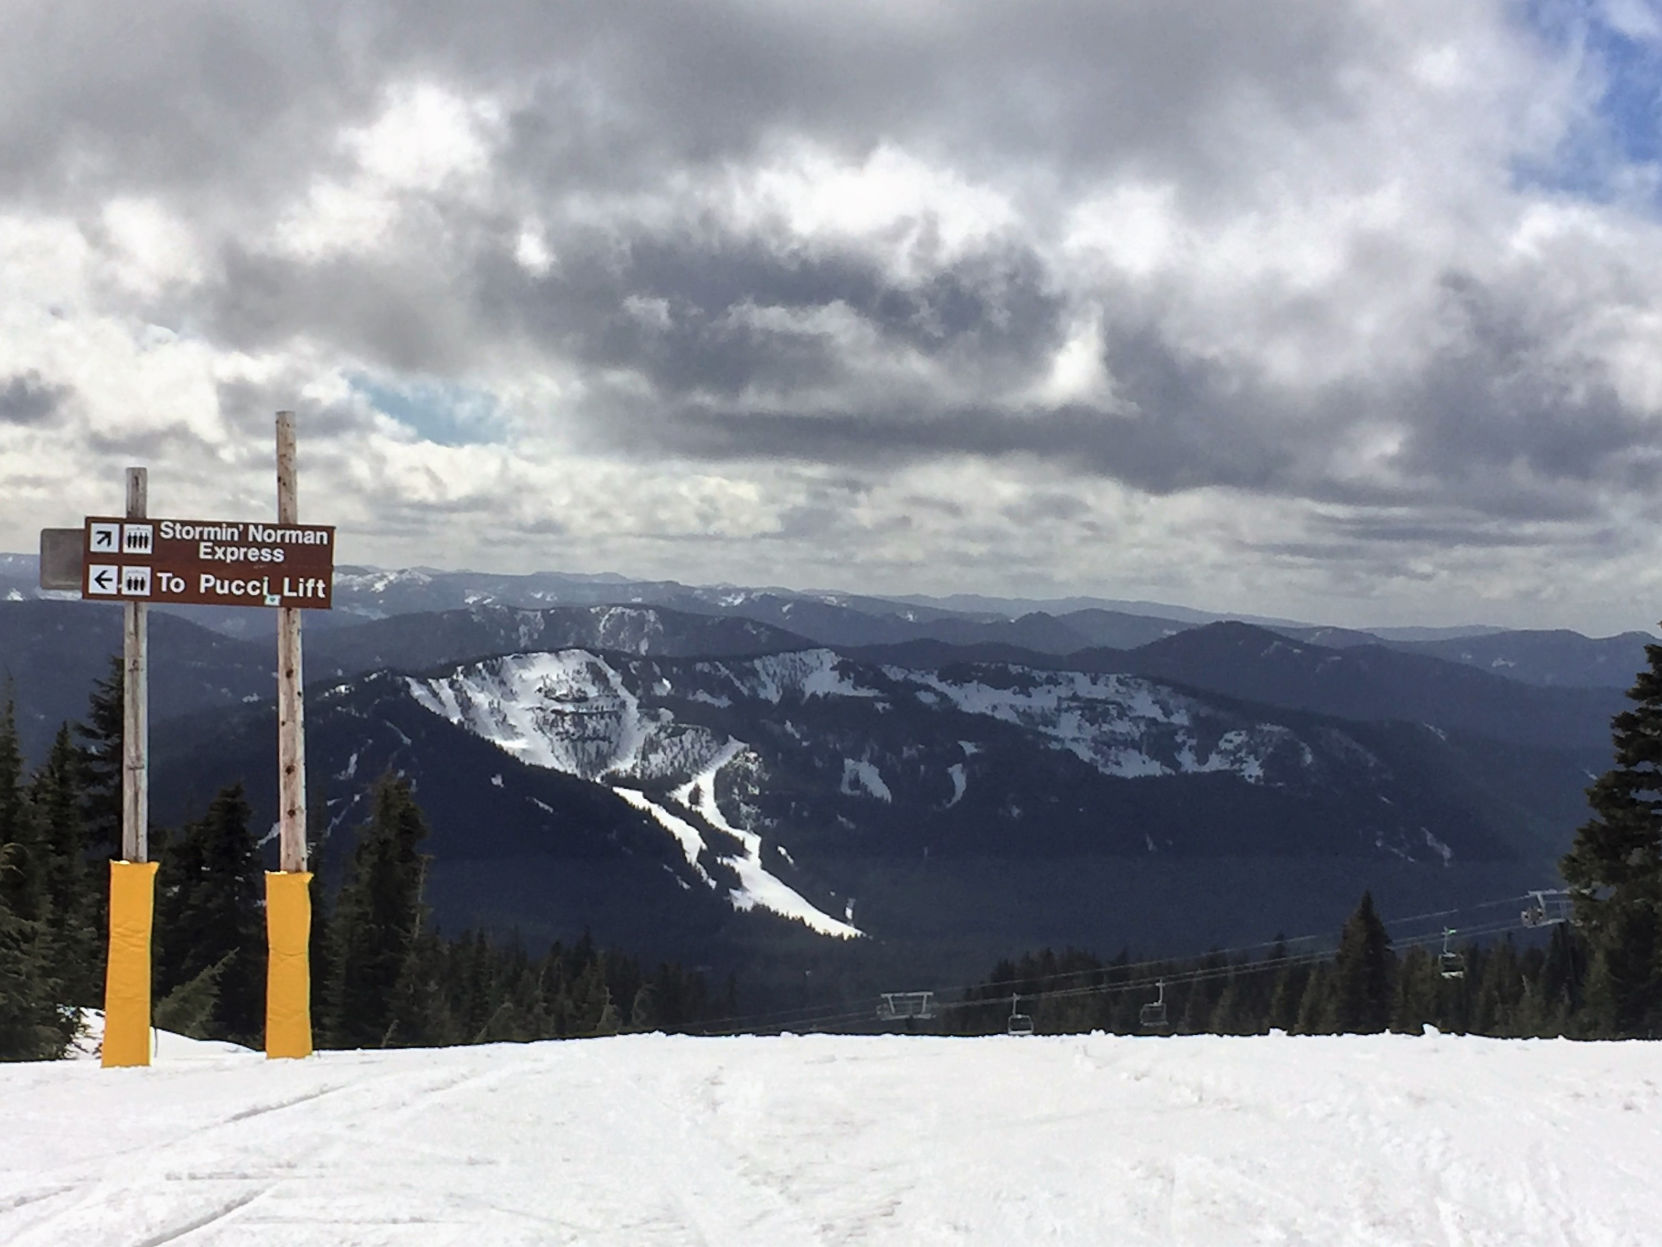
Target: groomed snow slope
x,y
647,1140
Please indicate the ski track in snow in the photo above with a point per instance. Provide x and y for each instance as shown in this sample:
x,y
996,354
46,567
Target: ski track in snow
x,y
655,1141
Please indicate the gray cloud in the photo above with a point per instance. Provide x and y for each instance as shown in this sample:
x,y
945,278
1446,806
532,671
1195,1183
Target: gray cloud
x,y
27,399
1309,284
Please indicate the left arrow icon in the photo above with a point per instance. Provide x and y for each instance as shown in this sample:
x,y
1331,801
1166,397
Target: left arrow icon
x,y
103,579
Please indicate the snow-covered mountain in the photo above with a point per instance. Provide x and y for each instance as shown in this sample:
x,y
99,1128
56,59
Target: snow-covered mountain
x,y
800,800
612,720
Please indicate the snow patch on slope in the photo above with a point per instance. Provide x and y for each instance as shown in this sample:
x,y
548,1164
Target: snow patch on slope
x,y
568,711
863,777
1108,721
960,783
804,673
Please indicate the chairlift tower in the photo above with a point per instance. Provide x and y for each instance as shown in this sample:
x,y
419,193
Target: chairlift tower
x,y
1152,1016
1450,964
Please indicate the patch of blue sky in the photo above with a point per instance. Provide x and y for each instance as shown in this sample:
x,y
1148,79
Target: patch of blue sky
x,y
440,412
1617,45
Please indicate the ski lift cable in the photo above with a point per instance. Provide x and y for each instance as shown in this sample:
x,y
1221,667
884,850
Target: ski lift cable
x,y
1152,964
785,1020
1211,973
1151,969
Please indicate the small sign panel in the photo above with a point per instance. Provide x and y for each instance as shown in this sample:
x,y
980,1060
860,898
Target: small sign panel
x,y
104,538
209,562
62,555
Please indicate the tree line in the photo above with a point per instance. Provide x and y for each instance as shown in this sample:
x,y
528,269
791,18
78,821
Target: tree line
x,y
383,975
1365,987
1597,977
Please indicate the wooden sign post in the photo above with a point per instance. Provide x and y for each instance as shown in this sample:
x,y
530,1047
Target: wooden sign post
x,y
133,878
288,1012
135,560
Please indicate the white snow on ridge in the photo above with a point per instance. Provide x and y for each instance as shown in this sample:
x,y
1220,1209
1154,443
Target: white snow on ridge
x,y
806,673
564,710
821,1139
1105,720
568,711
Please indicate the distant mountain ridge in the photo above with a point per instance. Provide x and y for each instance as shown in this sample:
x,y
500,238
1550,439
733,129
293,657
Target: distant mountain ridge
x,y
1050,627
1368,683
792,799
761,774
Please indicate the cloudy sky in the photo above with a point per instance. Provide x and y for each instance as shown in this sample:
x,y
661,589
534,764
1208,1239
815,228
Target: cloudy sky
x,y
1348,310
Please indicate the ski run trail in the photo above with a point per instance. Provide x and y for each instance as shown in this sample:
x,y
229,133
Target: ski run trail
x,y
650,1140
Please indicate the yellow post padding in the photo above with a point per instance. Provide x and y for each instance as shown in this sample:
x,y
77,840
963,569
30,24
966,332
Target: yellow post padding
x,y
288,983
127,973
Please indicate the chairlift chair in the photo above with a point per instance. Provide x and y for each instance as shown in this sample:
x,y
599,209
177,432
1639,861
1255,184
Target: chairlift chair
x,y
903,1006
1545,908
1450,964
1020,1023
1152,1016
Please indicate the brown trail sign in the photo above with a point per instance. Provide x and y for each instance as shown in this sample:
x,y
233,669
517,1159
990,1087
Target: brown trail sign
x,y
136,559
208,562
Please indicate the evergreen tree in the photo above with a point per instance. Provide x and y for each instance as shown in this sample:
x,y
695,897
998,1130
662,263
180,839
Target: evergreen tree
x,y
1495,1006
1315,1007
1285,997
1361,1001
23,864
100,763
321,945
418,1017
1416,1002
1614,868
377,918
11,774
34,1024
209,913
643,1013
190,1007
72,892
97,768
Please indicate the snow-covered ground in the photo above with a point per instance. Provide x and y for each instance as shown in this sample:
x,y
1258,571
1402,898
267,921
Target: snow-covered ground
x,y
645,1140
